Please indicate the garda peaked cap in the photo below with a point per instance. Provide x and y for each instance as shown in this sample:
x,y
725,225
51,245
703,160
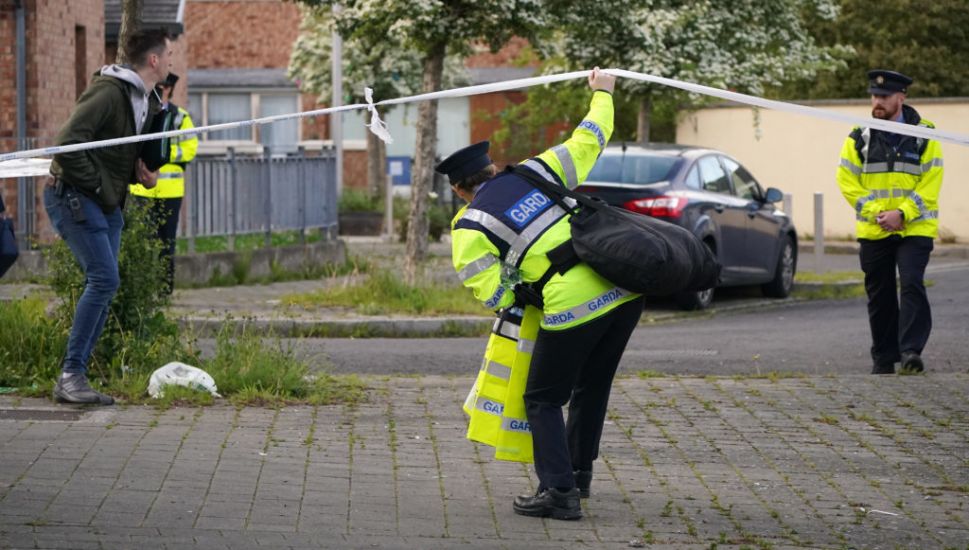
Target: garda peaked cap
x,y
882,82
465,162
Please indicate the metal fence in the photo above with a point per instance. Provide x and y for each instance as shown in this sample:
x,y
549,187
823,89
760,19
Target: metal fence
x,y
237,195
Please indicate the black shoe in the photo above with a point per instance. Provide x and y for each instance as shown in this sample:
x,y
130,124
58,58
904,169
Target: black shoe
x,y
76,389
883,369
583,480
912,362
550,503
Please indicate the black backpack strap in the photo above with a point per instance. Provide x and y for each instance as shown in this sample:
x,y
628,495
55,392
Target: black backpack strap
x,y
555,191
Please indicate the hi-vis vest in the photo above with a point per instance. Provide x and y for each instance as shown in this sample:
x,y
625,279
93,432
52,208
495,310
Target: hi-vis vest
x,y
504,233
877,175
171,177
495,404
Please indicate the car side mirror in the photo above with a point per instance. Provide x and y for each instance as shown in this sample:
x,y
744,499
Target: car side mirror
x,y
773,194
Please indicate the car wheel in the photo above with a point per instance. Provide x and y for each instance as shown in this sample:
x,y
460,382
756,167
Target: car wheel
x,y
691,301
695,300
782,283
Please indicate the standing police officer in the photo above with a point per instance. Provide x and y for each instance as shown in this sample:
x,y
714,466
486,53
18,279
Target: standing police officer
x,y
506,234
893,181
165,199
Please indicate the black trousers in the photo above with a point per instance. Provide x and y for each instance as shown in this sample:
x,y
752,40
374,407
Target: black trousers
x,y
165,212
904,325
577,366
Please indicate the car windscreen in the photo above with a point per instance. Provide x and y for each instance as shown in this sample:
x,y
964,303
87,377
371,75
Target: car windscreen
x,y
642,169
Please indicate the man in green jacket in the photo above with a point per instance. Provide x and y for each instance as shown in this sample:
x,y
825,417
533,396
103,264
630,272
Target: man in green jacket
x,y
88,188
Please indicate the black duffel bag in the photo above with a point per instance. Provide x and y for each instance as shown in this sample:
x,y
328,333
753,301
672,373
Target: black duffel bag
x,y
634,251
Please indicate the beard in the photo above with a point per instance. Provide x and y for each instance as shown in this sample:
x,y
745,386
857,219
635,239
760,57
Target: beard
x,y
881,113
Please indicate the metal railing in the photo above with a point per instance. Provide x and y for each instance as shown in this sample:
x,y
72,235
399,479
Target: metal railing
x,y
238,195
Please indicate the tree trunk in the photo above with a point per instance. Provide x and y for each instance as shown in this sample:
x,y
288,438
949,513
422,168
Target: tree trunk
x,y
642,123
130,20
376,165
422,174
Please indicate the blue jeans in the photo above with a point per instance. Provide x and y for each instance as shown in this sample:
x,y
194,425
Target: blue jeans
x,y
95,243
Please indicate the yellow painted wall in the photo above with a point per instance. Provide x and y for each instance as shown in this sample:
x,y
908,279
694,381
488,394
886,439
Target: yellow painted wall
x,y
799,155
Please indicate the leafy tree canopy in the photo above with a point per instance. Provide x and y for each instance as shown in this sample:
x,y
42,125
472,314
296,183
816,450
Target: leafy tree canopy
x,y
928,41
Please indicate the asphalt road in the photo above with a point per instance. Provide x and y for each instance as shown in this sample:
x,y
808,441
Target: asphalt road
x,y
814,337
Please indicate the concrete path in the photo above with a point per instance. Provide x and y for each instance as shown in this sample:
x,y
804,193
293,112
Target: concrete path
x,y
757,463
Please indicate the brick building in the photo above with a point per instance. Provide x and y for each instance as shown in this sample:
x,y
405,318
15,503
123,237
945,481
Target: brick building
x,y
232,57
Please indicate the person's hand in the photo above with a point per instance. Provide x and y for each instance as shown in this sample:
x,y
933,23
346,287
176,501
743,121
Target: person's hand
x,y
146,177
890,220
599,80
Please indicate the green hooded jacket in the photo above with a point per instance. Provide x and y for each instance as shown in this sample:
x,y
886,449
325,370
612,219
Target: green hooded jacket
x,y
103,111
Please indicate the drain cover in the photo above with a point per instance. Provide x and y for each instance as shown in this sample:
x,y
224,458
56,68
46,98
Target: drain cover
x,y
40,414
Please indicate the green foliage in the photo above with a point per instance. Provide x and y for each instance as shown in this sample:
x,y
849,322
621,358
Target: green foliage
x,y
549,114
920,39
383,292
32,343
742,46
355,200
438,219
136,332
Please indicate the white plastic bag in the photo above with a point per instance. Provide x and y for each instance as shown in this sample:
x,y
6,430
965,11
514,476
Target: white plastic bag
x,y
182,375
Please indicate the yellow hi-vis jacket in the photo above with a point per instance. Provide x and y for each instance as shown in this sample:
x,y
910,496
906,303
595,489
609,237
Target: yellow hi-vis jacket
x,y
503,235
171,177
881,172
495,405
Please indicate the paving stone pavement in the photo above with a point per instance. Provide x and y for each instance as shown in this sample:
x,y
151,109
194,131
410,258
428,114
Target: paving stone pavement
x,y
759,463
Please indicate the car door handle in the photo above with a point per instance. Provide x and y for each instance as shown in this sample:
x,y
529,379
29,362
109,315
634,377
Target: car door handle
x,y
718,208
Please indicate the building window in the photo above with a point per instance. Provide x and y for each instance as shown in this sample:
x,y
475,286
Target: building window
x,y
218,107
80,59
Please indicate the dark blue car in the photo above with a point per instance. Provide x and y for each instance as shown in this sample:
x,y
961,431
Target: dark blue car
x,y
716,198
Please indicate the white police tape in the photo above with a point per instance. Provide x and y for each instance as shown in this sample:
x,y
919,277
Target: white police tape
x,y
377,126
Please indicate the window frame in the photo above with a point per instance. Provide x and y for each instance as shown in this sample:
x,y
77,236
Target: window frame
x,y
255,104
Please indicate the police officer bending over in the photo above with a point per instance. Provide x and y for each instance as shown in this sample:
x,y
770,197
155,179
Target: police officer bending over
x,y
893,181
504,235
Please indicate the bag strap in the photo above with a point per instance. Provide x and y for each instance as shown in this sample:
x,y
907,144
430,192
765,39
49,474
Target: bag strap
x,y
563,257
555,191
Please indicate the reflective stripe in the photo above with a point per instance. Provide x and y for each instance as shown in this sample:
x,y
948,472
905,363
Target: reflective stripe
x,y
908,168
525,345
476,267
565,159
531,233
899,167
489,406
517,243
856,170
928,215
506,329
491,223
539,169
588,308
931,164
498,370
178,155
889,193
595,129
515,425
171,175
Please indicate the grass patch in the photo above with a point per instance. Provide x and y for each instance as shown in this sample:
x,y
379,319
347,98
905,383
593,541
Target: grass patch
x,y
246,369
240,273
248,241
830,292
829,277
645,374
383,292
